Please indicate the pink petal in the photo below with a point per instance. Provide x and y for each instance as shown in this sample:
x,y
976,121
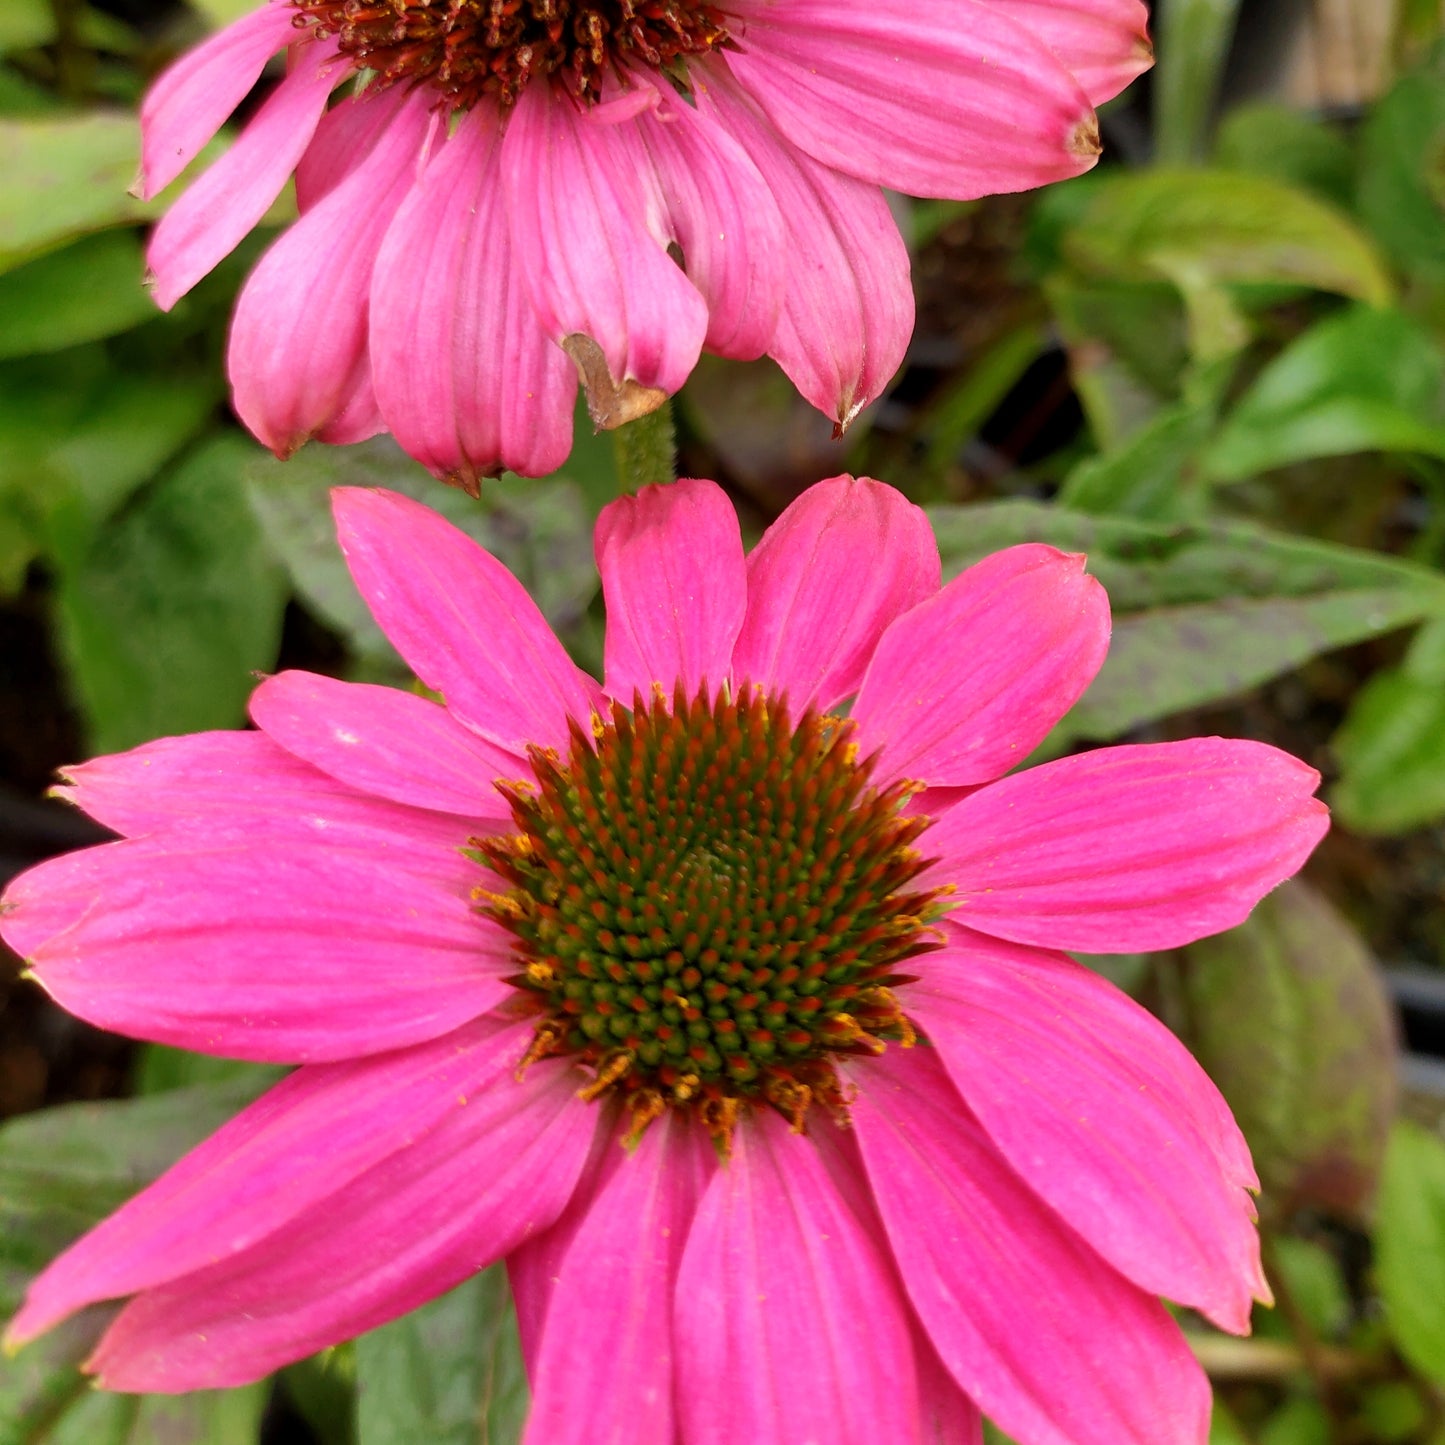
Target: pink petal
x,y
346,136
468,380
948,1416
221,206
311,1135
1105,43
1050,1342
356,414
847,312
789,1324
616,1284
259,947
931,97
386,742
725,221
674,579
297,352
828,577
965,686
498,1168
534,1268
584,215
191,99
1103,1113
236,784
463,623
1128,849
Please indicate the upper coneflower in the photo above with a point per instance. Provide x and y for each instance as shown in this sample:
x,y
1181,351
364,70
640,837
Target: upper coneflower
x,y
510,183
722,999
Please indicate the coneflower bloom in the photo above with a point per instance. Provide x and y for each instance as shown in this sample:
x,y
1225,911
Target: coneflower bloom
x,y
723,1000
512,182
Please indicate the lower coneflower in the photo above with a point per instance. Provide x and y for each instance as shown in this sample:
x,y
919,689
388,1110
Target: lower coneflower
x,y
721,1000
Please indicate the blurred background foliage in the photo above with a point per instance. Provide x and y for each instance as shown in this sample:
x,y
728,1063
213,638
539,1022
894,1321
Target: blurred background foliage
x,y
1216,365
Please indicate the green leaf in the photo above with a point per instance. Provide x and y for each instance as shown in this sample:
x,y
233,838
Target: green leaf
x,y
1279,142
1303,1421
77,437
1224,1429
1224,227
1364,380
26,23
1410,1247
1153,473
1402,169
1204,611
160,1068
222,12
1171,658
450,1373
1391,745
64,176
165,621
1128,350
1392,1410
540,529
1315,1282
1288,1015
90,289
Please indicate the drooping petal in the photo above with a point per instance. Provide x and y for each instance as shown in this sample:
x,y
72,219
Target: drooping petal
x,y
726,221
932,97
789,1324
829,575
223,204
499,1167
675,583
297,352
1105,43
310,1136
386,742
847,311
966,685
1130,848
592,229
244,785
345,136
1103,1113
463,623
616,1285
1047,1338
191,99
259,949
468,380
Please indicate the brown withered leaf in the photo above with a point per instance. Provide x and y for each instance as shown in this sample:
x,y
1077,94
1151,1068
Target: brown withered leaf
x,y
1290,1017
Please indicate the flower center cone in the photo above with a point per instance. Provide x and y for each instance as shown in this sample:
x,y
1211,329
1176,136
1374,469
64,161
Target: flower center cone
x,y
710,904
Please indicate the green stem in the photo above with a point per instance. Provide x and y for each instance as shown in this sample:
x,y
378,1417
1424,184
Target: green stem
x,y
646,450
1193,38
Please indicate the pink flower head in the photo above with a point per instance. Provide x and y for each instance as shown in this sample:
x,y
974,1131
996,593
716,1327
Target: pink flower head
x,y
736,1024
519,181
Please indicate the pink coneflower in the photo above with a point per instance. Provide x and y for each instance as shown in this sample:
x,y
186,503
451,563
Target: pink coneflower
x,y
735,1024
515,181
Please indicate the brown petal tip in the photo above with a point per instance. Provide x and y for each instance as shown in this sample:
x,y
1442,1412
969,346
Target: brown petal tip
x,y
609,405
1084,138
